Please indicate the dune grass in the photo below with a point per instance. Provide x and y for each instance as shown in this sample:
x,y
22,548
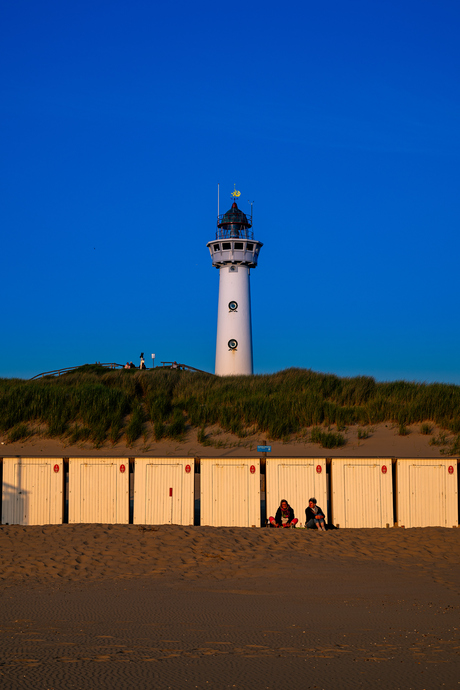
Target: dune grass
x,y
97,404
18,433
326,439
135,427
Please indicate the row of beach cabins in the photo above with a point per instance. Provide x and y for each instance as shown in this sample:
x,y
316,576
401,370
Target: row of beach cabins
x,y
241,492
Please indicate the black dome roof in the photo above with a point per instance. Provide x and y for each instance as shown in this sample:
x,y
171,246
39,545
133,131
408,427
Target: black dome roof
x,y
234,216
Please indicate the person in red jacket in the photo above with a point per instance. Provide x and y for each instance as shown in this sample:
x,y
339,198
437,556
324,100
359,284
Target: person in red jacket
x,y
284,516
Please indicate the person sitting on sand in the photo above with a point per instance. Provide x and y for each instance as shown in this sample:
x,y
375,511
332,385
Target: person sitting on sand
x,y
315,516
284,516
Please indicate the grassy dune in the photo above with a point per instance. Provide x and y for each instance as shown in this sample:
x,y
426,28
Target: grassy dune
x,y
93,403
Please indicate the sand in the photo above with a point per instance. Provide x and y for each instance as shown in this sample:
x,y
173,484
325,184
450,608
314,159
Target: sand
x,y
383,441
123,606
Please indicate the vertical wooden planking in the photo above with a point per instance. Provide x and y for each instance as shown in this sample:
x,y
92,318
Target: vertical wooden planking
x,y
163,494
363,506
362,492
427,492
32,491
99,490
230,499
164,491
296,480
230,492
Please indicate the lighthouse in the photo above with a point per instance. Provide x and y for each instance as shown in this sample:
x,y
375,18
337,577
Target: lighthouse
x,y
234,252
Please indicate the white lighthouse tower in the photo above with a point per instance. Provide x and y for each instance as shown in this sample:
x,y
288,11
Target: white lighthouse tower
x,y
234,252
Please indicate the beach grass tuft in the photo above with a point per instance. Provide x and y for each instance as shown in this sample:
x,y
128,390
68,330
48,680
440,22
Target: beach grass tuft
x,y
327,439
159,430
455,448
201,435
135,427
78,434
440,440
18,432
176,430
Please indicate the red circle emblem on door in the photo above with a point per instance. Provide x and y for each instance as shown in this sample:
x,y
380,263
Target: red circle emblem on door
x,y
122,468
451,469
253,469
319,469
56,468
188,469
384,469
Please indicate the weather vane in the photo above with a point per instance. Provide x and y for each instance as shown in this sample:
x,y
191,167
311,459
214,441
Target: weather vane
x,y
235,192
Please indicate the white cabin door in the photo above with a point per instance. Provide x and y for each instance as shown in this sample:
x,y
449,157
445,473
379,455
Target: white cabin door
x,y
98,493
230,501
427,495
32,504
296,484
362,499
163,495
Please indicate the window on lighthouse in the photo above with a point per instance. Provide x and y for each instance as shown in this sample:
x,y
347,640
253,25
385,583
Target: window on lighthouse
x,y
216,247
238,245
226,245
250,247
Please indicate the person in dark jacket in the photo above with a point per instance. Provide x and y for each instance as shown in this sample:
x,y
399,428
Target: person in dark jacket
x,y
315,516
284,516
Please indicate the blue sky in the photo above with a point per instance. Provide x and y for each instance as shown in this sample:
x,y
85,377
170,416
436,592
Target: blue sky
x,y
340,120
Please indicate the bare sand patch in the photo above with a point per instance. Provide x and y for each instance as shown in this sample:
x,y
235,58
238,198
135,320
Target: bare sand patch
x,y
95,553
383,440
118,606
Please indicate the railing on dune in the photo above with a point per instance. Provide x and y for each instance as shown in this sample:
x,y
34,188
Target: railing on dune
x,y
114,365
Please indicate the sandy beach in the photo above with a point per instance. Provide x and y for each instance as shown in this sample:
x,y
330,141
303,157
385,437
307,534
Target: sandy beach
x,y
103,606
127,606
